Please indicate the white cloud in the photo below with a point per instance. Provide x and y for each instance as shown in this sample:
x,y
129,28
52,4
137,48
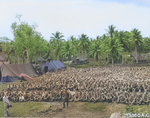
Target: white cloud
x,y
75,17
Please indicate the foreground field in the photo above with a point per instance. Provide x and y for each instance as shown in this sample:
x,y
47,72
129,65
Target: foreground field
x,y
54,109
75,109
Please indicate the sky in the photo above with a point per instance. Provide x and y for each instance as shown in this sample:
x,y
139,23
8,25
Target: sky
x,y
75,17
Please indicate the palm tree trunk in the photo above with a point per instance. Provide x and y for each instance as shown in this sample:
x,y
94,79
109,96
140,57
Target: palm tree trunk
x,y
85,54
122,58
107,59
112,60
136,55
97,57
69,58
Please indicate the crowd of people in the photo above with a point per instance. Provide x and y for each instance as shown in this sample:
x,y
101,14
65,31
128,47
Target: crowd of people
x,y
128,85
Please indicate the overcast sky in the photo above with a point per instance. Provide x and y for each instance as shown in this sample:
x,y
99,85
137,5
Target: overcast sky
x,y
74,17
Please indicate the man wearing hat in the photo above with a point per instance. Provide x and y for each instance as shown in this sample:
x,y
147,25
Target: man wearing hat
x,y
6,104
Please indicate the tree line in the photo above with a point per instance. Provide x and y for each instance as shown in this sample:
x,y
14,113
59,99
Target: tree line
x,y
28,44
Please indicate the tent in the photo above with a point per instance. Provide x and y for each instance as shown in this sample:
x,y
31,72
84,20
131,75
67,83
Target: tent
x,y
10,72
139,57
52,66
60,63
8,79
81,58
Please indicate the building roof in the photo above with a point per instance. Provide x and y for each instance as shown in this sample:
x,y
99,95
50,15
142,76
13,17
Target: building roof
x,y
139,57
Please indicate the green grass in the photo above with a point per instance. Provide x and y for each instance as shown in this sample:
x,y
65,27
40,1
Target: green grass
x,y
27,109
92,107
137,109
92,63
1,109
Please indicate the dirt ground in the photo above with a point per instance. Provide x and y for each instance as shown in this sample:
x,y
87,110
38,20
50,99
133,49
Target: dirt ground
x,y
76,110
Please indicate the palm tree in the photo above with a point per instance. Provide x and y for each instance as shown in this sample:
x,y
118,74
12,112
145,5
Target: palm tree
x,y
121,35
57,41
146,44
73,39
136,40
51,49
113,47
111,30
68,49
84,43
57,36
123,40
75,42
103,37
96,47
128,37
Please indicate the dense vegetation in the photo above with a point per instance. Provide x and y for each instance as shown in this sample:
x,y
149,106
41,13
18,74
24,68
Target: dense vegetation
x,y
29,45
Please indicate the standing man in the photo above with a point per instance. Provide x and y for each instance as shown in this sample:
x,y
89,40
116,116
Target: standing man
x,y
6,104
66,98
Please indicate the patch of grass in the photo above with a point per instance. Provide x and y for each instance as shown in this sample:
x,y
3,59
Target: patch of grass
x,y
1,109
92,63
93,107
80,66
24,109
137,109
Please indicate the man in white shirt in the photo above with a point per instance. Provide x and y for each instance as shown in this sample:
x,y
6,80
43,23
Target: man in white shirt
x,y
6,104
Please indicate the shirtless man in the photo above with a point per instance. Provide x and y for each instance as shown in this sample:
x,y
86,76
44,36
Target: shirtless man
x,y
66,98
